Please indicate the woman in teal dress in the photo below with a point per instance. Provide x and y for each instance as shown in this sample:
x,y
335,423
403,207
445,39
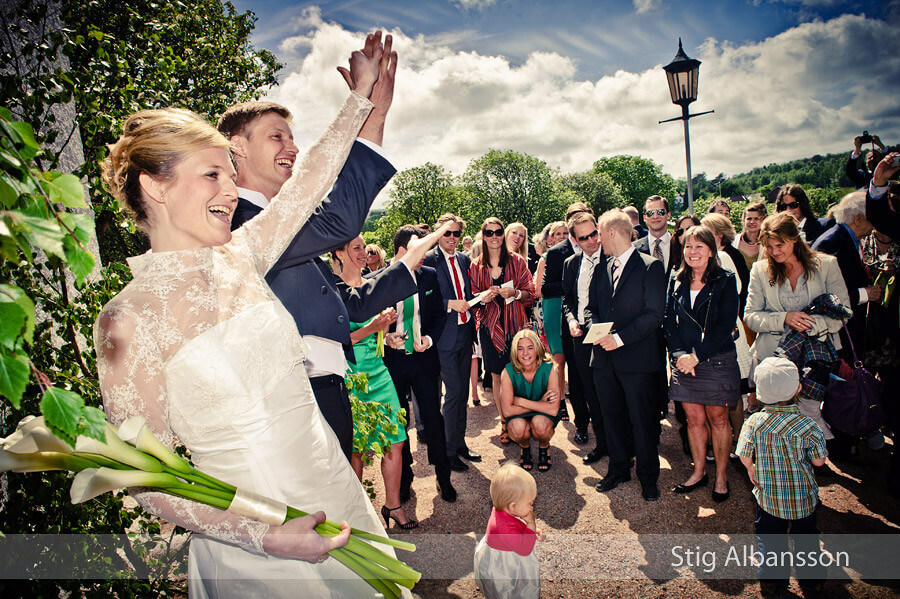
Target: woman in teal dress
x,y
529,397
348,262
552,310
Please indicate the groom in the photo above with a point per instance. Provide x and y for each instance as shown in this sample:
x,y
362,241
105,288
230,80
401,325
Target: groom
x,y
264,155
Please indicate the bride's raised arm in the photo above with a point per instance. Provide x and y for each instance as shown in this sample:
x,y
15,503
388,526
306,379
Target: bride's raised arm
x,y
269,234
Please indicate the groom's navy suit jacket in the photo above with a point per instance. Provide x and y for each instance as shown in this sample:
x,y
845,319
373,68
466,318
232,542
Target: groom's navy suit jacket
x,y
304,282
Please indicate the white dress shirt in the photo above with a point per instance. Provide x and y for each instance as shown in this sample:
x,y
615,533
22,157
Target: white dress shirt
x,y
583,285
665,246
462,282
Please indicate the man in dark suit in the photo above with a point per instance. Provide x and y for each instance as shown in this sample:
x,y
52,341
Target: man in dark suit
x,y
412,359
552,286
861,173
264,155
658,243
629,293
578,271
454,347
843,242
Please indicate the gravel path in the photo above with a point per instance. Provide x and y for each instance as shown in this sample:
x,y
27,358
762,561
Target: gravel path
x,y
616,544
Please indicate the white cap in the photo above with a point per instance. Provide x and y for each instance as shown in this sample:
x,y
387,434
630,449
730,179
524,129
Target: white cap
x,y
776,380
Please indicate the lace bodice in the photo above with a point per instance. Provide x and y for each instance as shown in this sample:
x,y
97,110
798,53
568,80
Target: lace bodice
x,y
176,297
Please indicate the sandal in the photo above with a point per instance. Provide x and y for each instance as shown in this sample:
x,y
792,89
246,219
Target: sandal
x,y
563,412
504,436
526,461
544,461
386,514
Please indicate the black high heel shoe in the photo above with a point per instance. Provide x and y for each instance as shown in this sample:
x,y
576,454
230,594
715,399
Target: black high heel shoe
x,y
386,514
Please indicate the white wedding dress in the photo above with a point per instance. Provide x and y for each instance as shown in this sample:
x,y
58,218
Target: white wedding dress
x,y
198,344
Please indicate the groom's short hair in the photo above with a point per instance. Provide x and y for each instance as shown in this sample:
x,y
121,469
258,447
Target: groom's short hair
x,y
237,118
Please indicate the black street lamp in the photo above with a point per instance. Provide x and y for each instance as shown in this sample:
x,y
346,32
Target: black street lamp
x,y
682,74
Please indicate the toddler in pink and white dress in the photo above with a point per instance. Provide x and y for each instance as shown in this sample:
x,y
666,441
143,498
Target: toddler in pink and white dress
x,y
506,560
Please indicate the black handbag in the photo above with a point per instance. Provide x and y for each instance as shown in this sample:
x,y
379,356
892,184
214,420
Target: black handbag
x,y
853,404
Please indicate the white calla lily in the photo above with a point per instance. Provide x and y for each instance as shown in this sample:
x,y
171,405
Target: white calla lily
x,y
41,461
117,449
32,435
135,431
91,482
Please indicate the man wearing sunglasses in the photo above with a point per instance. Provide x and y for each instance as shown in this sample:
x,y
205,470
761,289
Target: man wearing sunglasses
x,y
658,243
552,286
454,345
578,272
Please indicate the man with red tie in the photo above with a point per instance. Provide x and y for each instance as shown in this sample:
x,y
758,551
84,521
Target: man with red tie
x,y
455,342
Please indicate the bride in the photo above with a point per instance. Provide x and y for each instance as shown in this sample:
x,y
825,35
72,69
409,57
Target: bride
x,y
200,347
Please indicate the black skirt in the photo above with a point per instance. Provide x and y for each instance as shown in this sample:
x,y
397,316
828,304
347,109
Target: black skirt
x,y
717,382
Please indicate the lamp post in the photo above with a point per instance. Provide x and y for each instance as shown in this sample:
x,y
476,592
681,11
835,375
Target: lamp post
x,y
682,74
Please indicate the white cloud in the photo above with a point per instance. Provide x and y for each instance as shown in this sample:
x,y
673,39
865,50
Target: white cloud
x,y
473,4
641,6
807,90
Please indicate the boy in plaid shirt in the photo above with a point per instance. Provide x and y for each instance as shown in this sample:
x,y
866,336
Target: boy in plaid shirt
x,y
779,447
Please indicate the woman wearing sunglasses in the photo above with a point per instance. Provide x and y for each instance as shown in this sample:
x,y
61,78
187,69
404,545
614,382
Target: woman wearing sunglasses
x,y
374,259
508,289
792,199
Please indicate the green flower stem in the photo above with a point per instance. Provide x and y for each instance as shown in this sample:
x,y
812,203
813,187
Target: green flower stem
x,y
190,492
101,461
336,529
381,558
388,589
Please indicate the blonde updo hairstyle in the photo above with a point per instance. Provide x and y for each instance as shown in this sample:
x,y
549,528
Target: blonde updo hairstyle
x,y
154,142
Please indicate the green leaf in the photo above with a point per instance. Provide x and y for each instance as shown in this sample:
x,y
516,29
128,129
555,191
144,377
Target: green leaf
x,y
26,133
70,191
79,261
40,232
62,411
5,113
14,372
12,321
13,296
92,424
8,195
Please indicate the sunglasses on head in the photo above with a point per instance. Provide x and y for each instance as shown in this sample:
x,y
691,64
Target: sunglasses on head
x,y
452,233
492,233
658,212
588,236
788,205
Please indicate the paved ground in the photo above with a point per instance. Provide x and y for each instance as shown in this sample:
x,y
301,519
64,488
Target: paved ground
x,y
616,544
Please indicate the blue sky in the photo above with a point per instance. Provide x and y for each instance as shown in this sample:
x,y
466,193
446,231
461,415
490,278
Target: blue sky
x,y
572,81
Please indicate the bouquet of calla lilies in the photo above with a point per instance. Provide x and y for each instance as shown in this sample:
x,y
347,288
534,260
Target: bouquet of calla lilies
x,y
132,456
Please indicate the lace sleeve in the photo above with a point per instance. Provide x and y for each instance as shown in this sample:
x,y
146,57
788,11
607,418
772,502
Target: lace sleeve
x,y
129,362
268,235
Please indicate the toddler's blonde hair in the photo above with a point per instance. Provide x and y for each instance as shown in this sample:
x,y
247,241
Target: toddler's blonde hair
x,y
511,484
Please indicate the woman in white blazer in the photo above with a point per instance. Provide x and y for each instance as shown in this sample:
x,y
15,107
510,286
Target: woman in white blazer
x,y
786,279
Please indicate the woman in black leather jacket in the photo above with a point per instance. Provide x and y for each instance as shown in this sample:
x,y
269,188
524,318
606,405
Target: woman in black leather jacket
x,y
701,311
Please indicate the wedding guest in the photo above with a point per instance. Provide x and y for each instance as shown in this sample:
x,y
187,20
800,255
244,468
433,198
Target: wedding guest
x,y
516,236
701,312
264,154
172,347
551,287
630,293
779,447
577,276
720,206
551,311
786,279
529,398
860,173
682,224
843,242
506,559
374,259
748,241
348,262
724,233
639,230
467,244
508,289
412,358
792,199
454,344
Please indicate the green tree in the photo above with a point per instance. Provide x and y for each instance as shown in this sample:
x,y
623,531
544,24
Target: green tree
x,y
419,195
597,189
513,187
638,178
